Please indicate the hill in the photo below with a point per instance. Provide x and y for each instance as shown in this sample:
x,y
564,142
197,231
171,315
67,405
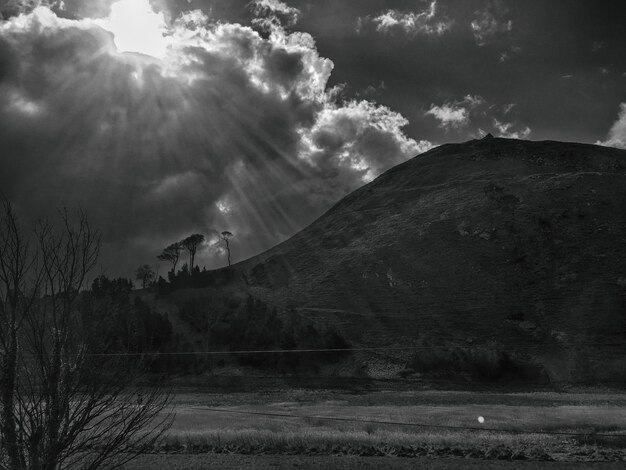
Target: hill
x,y
514,244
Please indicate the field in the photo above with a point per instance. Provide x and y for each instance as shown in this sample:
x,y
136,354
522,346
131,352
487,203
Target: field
x,y
262,462
381,429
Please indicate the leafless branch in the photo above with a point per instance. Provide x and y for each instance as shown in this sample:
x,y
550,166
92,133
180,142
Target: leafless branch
x,y
62,406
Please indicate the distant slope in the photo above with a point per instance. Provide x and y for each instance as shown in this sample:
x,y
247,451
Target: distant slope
x,y
495,240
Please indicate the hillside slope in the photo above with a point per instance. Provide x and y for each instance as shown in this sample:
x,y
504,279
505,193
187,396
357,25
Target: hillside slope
x,y
491,241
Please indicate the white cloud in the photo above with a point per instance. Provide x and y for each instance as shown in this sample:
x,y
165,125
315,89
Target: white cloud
x,y
506,129
617,134
491,22
21,104
412,23
457,114
473,114
450,115
359,133
473,101
273,13
10,8
507,108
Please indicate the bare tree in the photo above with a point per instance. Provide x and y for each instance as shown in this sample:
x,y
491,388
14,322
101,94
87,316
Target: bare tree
x,y
225,237
191,244
171,254
17,262
65,404
145,274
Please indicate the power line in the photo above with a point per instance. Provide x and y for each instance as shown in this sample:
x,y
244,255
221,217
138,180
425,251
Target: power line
x,y
258,351
310,350
401,423
427,381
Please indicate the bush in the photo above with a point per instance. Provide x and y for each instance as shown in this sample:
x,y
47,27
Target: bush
x,y
118,324
484,363
195,279
232,324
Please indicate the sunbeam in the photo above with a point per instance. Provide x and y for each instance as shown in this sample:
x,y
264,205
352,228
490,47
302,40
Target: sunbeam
x,y
162,117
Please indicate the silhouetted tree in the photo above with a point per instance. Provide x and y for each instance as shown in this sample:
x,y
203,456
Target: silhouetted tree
x,y
171,254
225,237
145,274
62,405
102,286
191,244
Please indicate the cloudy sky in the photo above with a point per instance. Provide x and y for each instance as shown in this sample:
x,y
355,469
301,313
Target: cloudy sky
x,y
163,118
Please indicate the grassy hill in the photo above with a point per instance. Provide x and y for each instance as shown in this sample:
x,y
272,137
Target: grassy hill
x,y
486,255
516,244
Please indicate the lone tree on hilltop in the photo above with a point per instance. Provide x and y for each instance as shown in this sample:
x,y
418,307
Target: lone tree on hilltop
x,y
191,244
64,403
225,237
171,254
145,274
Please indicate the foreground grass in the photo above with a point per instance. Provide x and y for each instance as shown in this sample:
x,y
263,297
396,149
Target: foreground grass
x,y
393,443
316,462
380,444
219,424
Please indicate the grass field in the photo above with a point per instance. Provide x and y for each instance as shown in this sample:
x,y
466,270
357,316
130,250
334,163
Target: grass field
x,y
262,462
538,427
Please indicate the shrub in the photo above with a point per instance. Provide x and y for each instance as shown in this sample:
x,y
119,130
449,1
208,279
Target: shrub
x,y
483,363
228,323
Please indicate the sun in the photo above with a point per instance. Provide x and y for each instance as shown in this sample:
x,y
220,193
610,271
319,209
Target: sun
x,y
137,28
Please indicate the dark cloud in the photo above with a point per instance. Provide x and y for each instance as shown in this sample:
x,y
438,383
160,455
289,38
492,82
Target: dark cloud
x,y
231,130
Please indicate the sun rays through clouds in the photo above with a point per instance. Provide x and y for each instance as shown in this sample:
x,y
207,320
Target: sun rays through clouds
x,y
160,120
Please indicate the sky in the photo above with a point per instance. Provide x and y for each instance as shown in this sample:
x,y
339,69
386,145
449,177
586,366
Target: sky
x,y
163,118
